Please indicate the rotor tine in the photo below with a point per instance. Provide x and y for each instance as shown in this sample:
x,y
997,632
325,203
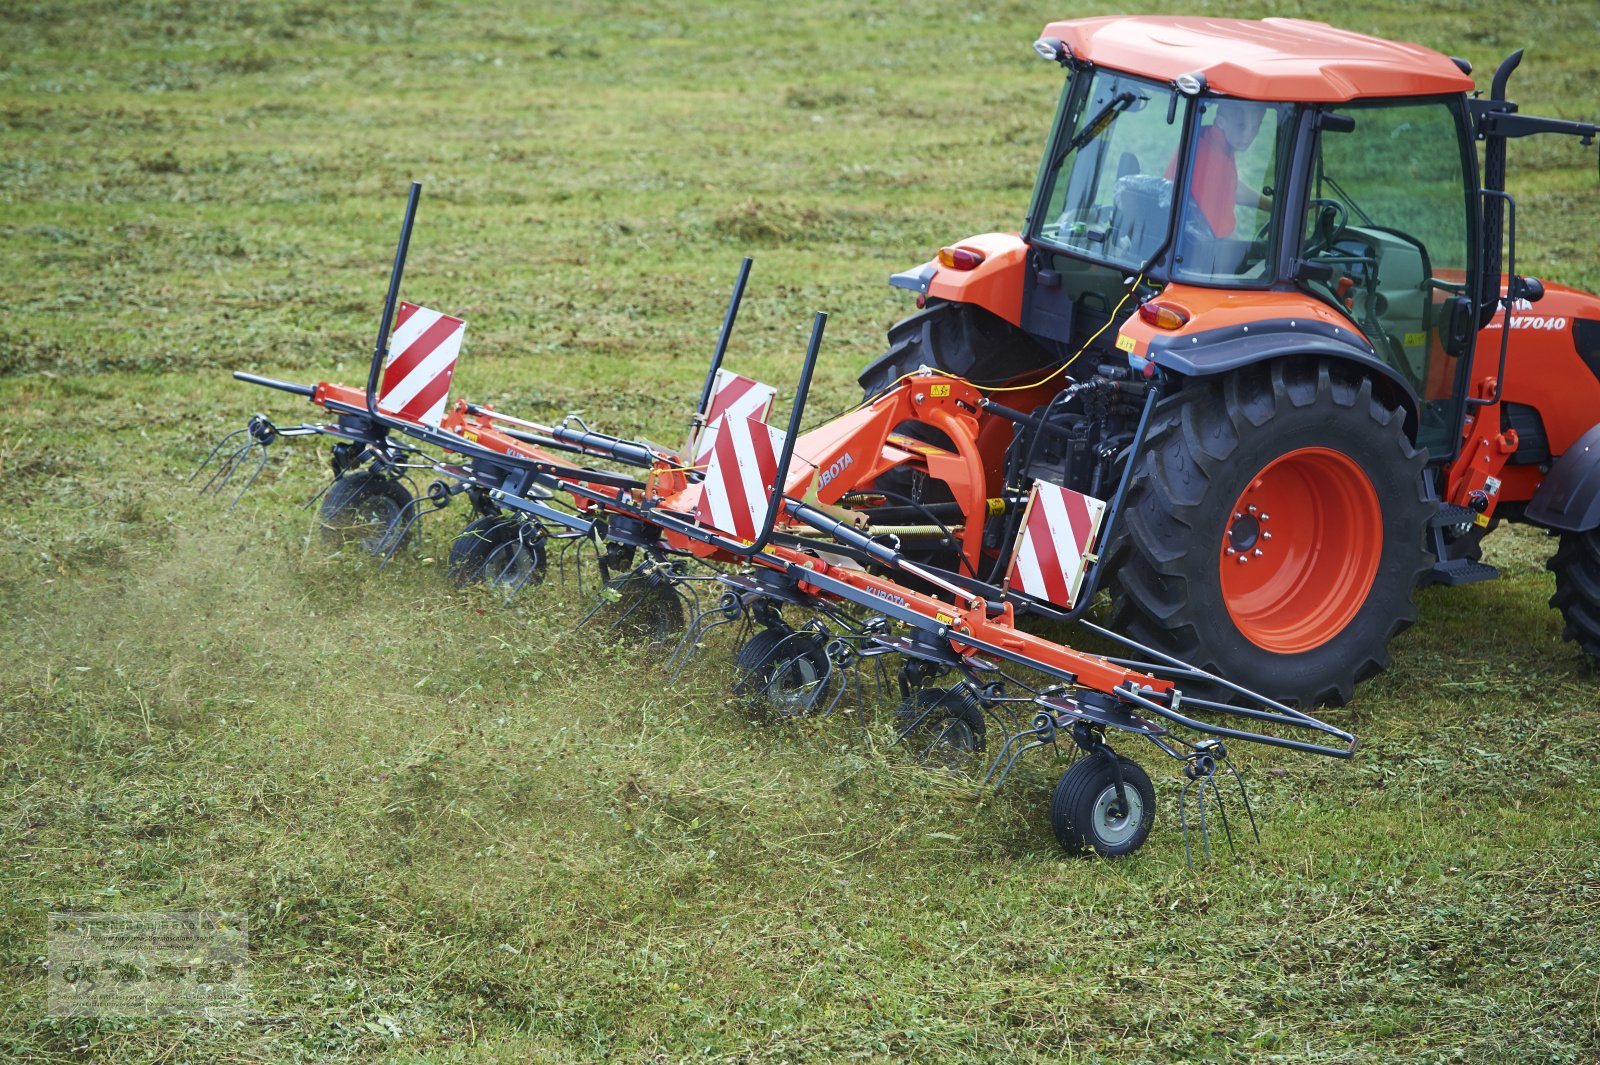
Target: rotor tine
x,y
999,755
1244,797
1183,821
219,477
248,484
231,467
1018,753
320,493
213,454
1222,812
416,512
913,726
1205,827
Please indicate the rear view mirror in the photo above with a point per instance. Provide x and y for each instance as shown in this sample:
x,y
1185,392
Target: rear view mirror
x,y
1458,325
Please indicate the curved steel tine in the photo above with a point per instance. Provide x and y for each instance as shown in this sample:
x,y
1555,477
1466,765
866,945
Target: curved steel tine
x,y
248,484
1244,797
320,493
1183,821
1222,812
415,506
224,472
218,446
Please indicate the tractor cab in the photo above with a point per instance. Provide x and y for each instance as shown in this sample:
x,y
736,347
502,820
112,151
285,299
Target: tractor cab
x,y
1347,222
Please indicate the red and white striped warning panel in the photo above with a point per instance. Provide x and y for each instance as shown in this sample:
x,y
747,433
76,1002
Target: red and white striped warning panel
x,y
1058,528
739,473
422,360
736,397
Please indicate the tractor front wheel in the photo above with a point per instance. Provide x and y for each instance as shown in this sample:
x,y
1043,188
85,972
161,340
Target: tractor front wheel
x,y
1275,531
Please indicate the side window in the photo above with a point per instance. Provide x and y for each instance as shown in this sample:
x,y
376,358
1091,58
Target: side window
x,y
1226,234
1389,215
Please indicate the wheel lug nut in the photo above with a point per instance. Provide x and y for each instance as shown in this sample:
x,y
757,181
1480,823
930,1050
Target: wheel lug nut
x,y
1232,550
1237,515
1251,508
1266,517
1265,535
1258,552
1244,558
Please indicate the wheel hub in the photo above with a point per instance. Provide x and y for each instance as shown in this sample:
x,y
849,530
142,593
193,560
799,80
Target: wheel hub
x,y
1115,822
1301,550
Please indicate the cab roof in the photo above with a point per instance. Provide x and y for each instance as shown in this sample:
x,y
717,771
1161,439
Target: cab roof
x,y
1281,59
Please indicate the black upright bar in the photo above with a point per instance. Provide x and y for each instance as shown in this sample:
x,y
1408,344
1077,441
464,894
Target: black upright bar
x,y
381,349
775,500
722,338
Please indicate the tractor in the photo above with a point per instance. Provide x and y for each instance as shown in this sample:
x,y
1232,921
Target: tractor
x,y
1286,225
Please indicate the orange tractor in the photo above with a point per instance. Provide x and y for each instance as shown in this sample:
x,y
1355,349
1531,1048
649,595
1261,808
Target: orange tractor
x,y
1287,225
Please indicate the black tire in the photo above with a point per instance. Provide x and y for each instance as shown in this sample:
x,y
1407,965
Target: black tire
x,y
504,553
1085,815
367,508
1576,565
959,338
781,668
944,726
1313,635
644,611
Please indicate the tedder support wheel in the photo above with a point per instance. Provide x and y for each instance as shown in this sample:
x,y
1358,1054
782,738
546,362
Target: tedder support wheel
x,y
367,508
1274,532
782,667
943,726
1086,814
506,554
1576,565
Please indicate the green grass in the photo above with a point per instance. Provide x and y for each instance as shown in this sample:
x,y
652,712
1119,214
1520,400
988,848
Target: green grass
x,y
463,831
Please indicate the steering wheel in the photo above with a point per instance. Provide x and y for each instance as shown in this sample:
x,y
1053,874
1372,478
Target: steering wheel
x,y
1330,220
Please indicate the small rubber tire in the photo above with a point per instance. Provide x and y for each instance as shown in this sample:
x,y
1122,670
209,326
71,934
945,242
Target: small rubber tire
x,y
1084,814
366,508
645,611
948,724
504,553
784,665
1576,565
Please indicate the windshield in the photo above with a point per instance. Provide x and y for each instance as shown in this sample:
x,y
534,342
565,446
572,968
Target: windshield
x,y
1109,196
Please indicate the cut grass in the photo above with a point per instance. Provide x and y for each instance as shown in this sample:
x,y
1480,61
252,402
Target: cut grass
x,y
463,831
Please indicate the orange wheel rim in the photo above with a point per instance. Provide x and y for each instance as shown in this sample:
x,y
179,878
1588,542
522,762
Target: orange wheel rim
x,y
1300,550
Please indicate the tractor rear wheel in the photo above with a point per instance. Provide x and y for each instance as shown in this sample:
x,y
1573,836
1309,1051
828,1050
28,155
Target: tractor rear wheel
x,y
1576,565
1275,531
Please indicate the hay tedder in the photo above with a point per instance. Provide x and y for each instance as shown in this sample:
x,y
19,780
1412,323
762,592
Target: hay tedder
x,y
1229,435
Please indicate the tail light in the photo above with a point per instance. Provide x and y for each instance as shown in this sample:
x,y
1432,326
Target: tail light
x,y
960,258
1164,315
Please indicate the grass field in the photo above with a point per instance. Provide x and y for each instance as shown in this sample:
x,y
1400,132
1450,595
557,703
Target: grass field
x,y
462,831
